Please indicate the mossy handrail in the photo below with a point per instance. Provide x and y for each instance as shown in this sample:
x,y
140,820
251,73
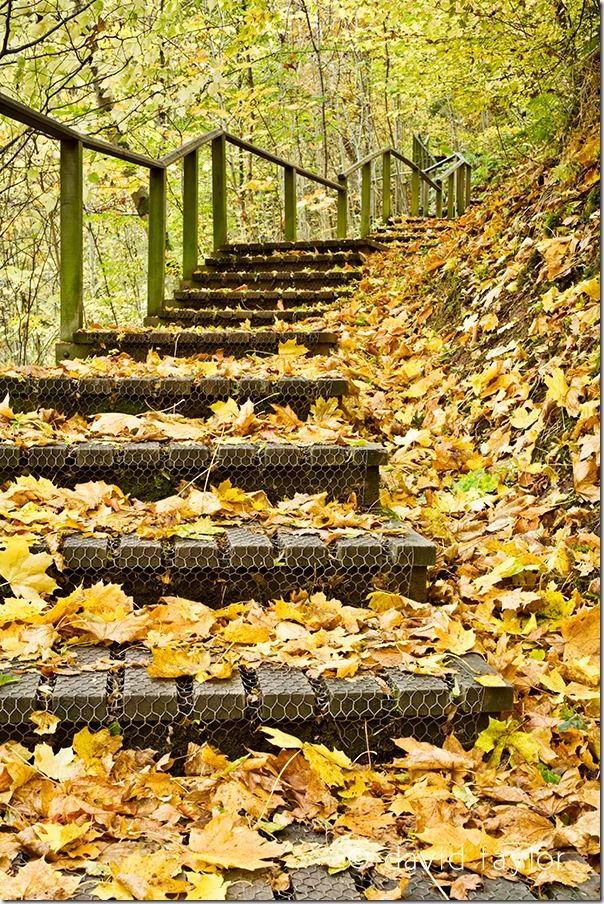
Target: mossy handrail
x,y
73,142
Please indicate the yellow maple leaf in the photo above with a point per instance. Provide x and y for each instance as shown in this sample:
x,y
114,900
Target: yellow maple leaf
x,y
239,632
282,739
225,411
96,748
291,348
169,662
557,387
330,765
60,836
45,722
25,571
61,765
225,842
206,887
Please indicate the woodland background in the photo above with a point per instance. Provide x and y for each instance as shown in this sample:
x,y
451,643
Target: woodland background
x,y
321,83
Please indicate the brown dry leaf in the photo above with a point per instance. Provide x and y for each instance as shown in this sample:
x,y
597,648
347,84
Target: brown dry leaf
x,y
227,842
463,884
567,872
38,881
423,756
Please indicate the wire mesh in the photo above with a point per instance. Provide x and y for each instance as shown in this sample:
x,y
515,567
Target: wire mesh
x,y
189,397
111,687
151,470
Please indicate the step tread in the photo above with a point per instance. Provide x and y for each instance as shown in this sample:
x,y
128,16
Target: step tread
x,y
234,315
245,277
165,337
232,548
179,453
368,244
191,396
88,691
236,342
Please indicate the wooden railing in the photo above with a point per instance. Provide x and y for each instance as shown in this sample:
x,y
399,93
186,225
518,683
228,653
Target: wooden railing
x,y
429,180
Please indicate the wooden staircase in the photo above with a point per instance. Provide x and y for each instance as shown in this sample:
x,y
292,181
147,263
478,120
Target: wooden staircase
x,y
244,561
248,301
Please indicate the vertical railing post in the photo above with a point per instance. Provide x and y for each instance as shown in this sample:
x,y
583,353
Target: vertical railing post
x,y
415,193
424,198
71,231
219,191
451,196
386,186
468,184
460,194
289,188
439,198
190,214
342,213
365,199
415,151
156,241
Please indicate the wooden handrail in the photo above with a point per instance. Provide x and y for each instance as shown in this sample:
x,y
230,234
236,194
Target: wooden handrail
x,y
188,147
14,109
280,161
355,166
457,177
416,168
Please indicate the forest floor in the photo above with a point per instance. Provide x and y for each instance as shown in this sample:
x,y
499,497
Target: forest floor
x,y
477,364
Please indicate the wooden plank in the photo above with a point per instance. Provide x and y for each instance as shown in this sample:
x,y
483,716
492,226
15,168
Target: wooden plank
x,y
460,190
451,196
365,199
468,183
415,193
439,199
156,241
219,191
386,186
72,266
190,213
289,188
342,224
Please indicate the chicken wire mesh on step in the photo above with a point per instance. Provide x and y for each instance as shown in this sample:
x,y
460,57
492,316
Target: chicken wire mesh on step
x,y
111,687
189,397
149,470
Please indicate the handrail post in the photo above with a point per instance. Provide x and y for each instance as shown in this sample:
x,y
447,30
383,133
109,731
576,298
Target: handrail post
x,y
289,189
72,244
365,199
460,195
439,198
190,213
451,196
342,214
415,193
386,186
219,191
468,184
424,198
156,241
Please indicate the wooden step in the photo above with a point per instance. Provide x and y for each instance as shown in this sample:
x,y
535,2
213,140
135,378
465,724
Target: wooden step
x,y
251,563
137,343
252,299
109,685
285,261
230,316
324,246
187,396
152,470
270,280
